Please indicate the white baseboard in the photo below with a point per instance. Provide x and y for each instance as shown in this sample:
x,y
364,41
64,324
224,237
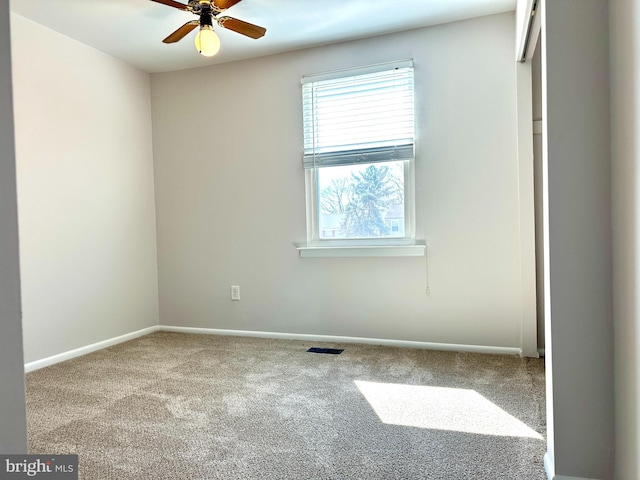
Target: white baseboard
x,y
61,357
564,477
336,339
549,468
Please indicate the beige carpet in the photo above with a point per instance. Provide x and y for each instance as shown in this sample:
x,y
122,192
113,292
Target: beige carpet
x,y
178,406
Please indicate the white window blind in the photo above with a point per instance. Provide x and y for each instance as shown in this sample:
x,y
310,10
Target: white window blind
x,y
359,116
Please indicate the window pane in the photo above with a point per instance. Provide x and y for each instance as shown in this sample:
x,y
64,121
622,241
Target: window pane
x,y
361,201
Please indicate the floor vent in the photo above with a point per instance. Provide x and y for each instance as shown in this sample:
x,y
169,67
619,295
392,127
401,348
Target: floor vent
x,y
330,351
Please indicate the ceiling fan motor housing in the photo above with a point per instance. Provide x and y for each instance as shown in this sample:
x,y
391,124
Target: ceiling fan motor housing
x,y
200,7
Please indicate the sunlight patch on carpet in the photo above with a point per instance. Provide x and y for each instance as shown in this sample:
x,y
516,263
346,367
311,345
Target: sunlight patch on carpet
x,y
438,408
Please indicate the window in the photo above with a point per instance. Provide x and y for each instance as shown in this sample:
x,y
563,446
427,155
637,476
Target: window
x,y
358,156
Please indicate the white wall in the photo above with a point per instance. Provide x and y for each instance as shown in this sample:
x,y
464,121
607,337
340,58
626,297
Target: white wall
x,y
13,425
85,192
230,196
625,130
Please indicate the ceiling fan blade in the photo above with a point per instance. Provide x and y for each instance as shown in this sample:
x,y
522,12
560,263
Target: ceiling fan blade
x,y
171,3
181,32
224,4
245,28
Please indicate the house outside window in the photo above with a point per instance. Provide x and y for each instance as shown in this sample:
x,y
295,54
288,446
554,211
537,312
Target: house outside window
x,y
359,155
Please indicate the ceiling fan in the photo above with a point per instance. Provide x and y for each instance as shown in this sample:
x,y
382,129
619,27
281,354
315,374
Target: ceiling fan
x,y
207,42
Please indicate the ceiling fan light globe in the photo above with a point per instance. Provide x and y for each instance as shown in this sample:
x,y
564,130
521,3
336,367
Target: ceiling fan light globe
x,y
207,42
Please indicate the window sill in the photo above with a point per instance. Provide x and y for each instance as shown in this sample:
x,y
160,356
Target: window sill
x,y
413,250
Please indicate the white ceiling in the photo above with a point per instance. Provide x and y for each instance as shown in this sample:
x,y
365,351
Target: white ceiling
x,y
132,30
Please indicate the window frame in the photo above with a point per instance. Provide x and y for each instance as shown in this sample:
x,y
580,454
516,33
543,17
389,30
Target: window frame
x,y
312,191
313,213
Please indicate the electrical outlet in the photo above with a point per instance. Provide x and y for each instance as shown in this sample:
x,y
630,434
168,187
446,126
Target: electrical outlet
x,y
235,292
